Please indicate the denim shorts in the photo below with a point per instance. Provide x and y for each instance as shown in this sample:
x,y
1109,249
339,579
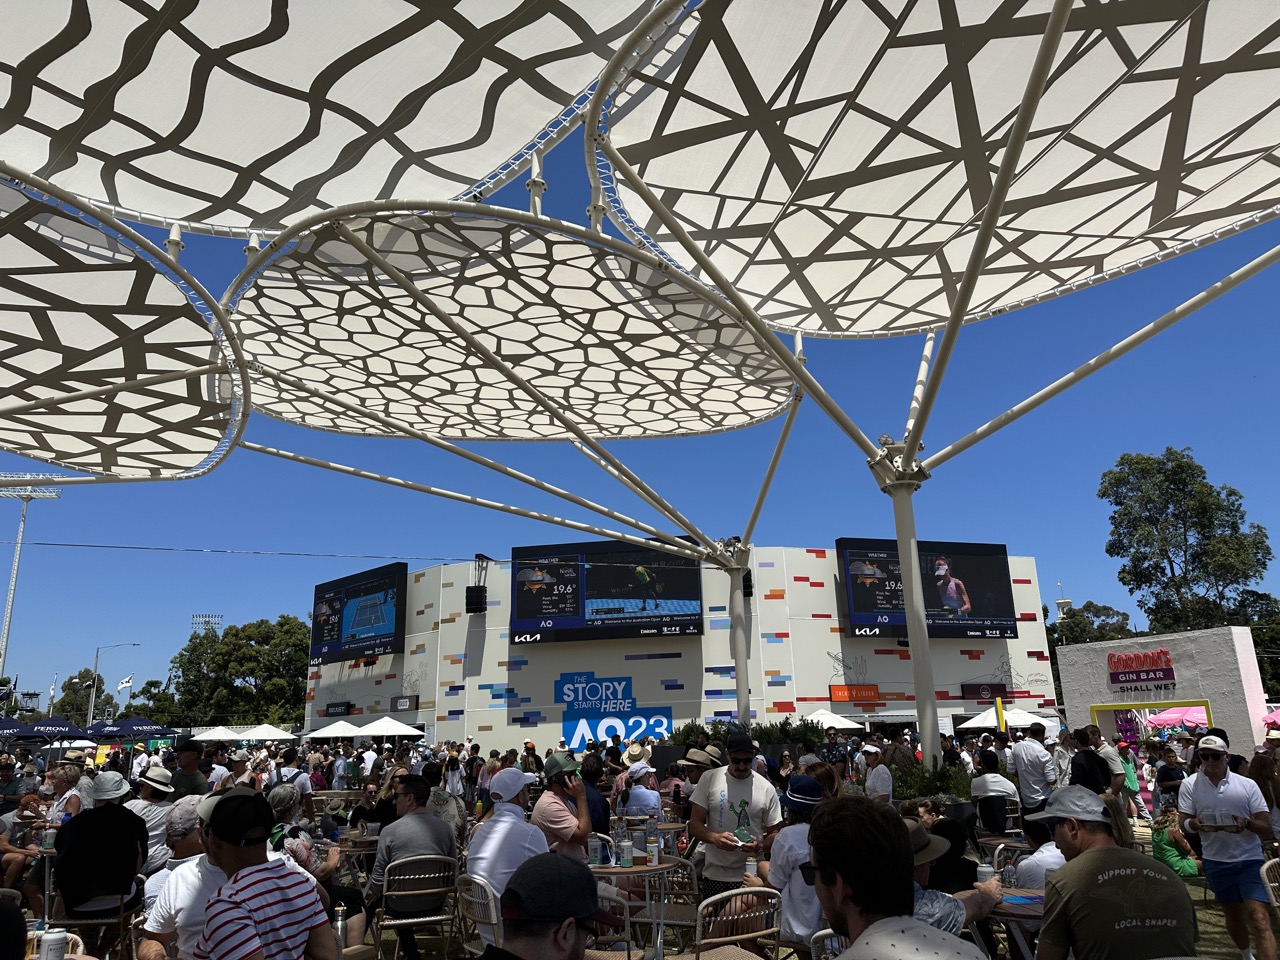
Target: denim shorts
x,y
1236,881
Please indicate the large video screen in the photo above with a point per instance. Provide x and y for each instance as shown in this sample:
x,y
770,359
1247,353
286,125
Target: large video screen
x,y
967,590
359,616
602,590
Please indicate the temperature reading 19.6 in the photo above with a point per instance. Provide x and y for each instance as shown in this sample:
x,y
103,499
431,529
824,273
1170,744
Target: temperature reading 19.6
x,y
563,588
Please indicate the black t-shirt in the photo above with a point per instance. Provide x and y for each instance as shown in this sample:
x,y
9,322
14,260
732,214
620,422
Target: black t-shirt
x,y
98,853
1091,771
951,757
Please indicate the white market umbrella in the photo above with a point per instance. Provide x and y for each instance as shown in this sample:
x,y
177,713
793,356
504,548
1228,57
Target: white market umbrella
x,y
265,731
388,727
339,728
72,745
219,733
1013,717
825,718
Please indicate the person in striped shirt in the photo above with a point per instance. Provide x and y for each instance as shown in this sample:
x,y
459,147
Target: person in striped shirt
x,y
265,910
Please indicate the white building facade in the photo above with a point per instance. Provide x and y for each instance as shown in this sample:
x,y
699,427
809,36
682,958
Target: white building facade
x,y
461,675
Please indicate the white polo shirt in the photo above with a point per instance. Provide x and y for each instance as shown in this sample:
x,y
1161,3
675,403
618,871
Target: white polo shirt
x,y
499,846
1234,795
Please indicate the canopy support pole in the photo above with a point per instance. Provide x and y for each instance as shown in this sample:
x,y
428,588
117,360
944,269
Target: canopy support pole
x,y
773,466
739,647
904,521
688,551
1183,310
1036,82
921,377
536,185
405,430
552,409
747,317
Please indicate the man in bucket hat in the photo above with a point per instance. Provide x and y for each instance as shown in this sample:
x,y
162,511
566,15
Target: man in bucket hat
x,y
1107,901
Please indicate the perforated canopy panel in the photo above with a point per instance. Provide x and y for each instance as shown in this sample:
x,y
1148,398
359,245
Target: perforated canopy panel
x,y
627,347
833,159
82,309
251,112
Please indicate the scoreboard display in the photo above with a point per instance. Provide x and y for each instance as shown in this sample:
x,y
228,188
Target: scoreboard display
x,y
967,589
602,590
359,616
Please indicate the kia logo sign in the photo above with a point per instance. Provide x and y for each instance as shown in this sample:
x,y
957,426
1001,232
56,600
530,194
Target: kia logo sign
x,y
526,638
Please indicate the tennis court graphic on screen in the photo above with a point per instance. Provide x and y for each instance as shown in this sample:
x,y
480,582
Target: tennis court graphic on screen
x,y
359,616
602,590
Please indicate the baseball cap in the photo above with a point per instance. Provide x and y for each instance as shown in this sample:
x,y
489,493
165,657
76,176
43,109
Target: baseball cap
x,y
1213,743
507,784
925,847
551,886
240,756
739,743
1122,745
189,744
1074,802
241,817
183,817
109,785
559,763
638,770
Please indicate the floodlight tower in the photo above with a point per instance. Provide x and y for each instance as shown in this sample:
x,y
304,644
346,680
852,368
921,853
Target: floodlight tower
x,y
200,622
26,495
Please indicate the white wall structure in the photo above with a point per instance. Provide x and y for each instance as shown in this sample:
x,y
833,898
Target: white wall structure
x,y
470,679
1217,666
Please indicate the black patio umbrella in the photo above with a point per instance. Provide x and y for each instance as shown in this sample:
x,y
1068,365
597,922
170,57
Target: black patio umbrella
x,y
11,729
55,728
140,728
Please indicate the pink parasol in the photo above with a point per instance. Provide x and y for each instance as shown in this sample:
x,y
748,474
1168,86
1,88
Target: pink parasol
x,y
1180,716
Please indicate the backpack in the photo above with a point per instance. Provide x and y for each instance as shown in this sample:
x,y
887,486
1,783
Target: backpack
x,y
281,780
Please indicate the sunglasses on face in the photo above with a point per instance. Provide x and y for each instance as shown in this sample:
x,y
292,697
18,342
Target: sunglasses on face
x,y
741,761
1209,757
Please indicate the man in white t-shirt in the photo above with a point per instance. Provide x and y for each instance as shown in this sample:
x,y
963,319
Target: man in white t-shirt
x,y
873,907
734,810
141,760
879,782
1231,816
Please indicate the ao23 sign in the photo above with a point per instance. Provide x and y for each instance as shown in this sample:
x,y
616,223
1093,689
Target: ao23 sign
x,y
595,708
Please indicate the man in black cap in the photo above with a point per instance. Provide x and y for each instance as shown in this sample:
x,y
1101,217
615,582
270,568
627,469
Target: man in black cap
x,y
187,779
549,909
265,909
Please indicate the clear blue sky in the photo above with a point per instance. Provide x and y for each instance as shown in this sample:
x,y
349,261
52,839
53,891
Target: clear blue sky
x,y
1033,486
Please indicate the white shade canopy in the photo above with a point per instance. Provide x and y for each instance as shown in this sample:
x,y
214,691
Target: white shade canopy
x,y
220,733
1013,717
834,160
611,335
388,727
825,718
340,728
266,731
255,113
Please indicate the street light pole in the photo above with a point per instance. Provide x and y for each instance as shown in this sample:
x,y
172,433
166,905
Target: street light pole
x,y
26,495
93,680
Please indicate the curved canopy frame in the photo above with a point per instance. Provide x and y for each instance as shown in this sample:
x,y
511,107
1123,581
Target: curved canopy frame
x,y
251,115
116,361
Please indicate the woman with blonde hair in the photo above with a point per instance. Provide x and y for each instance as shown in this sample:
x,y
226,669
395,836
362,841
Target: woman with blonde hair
x,y
1170,847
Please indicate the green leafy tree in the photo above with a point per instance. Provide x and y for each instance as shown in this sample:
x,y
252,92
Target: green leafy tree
x,y
154,701
73,704
252,673
1188,554
1089,623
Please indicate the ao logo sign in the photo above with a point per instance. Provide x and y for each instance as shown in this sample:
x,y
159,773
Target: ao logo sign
x,y
595,708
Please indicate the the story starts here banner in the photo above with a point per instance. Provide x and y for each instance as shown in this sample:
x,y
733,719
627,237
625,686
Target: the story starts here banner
x,y
595,708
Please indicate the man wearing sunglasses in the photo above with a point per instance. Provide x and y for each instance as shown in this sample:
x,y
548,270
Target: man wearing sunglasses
x,y
734,810
1230,814
1107,901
